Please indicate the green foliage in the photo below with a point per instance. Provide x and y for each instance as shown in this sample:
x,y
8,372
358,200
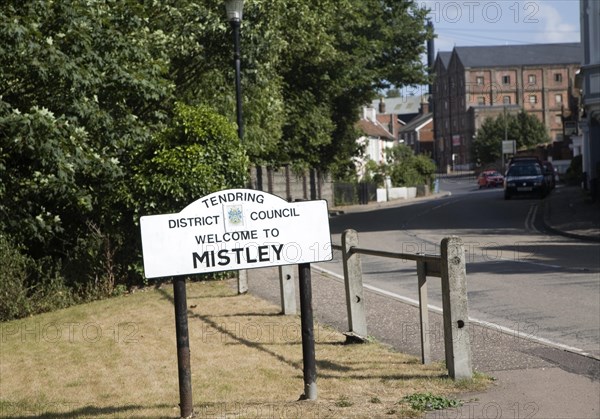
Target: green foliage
x,y
199,153
526,129
338,54
28,286
344,401
13,281
307,67
428,401
374,173
91,138
407,169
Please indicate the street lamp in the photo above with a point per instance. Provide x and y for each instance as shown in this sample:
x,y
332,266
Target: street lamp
x,y
234,10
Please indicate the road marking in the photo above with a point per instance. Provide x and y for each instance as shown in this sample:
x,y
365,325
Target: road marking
x,y
530,219
482,323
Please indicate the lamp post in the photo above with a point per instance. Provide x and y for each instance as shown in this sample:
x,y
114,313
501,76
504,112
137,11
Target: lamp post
x,y
234,10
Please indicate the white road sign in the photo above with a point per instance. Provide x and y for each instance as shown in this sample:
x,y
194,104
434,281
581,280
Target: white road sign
x,y
235,229
509,147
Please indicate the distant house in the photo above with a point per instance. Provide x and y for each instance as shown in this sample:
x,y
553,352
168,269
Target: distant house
x,y
382,123
376,138
418,133
472,83
400,110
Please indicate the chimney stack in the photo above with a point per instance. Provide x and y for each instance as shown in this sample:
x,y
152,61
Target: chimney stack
x,y
381,106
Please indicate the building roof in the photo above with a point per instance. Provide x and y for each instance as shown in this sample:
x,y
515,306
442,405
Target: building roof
x,y
374,129
445,56
417,123
400,105
519,55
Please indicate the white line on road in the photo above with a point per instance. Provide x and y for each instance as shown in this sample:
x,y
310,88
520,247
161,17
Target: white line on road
x,y
530,219
482,323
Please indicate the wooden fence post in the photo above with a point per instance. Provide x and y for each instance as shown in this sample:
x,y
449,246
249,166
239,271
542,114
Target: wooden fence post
x,y
454,303
355,303
424,312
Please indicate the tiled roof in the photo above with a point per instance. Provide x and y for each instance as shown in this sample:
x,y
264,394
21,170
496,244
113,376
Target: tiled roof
x,y
373,129
520,55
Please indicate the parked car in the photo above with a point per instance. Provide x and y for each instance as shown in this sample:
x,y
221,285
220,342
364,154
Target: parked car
x,y
489,178
525,178
523,159
550,173
547,169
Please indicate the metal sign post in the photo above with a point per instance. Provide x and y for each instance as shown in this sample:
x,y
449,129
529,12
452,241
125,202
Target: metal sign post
x,y
308,335
183,348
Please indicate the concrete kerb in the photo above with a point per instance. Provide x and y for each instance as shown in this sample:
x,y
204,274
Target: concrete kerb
x,y
546,208
340,210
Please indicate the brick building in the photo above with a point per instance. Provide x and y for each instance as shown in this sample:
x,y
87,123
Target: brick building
x,y
472,83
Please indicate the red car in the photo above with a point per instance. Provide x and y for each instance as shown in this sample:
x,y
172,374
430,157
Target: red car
x,y
489,178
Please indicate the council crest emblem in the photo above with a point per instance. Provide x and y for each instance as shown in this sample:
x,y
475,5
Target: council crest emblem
x,y
235,215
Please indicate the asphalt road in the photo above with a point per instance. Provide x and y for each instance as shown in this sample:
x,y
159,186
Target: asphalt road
x,y
518,276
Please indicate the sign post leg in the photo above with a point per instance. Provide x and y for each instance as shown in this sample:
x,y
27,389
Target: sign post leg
x,y
183,347
308,335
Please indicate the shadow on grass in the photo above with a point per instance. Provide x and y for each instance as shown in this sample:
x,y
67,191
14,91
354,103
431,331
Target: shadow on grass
x,y
322,365
86,411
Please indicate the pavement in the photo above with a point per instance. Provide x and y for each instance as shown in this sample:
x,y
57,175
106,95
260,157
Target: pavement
x,y
533,379
569,212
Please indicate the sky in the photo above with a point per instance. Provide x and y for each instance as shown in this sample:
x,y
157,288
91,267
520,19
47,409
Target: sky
x,y
499,22
502,22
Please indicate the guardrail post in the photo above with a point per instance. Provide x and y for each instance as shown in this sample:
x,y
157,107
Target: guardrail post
x,y
454,303
355,303
424,312
287,290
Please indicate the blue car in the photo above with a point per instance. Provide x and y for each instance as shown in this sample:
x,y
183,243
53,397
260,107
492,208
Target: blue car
x,y
525,178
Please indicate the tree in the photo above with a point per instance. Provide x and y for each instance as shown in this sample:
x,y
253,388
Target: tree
x,y
197,154
80,88
407,169
307,68
91,138
526,129
348,51
82,85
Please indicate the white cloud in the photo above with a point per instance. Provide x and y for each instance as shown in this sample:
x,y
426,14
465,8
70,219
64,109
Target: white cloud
x,y
554,27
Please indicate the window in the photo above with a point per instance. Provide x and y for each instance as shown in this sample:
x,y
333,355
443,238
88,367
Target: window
x,y
532,99
479,80
481,100
558,119
505,79
558,77
531,79
558,98
506,100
